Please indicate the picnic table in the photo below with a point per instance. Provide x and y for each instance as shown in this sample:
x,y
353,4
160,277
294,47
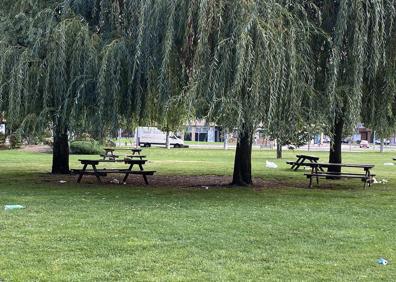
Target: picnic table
x,y
109,154
318,172
98,172
301,159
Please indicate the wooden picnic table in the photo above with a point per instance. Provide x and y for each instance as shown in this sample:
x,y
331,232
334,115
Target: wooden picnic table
x,y
318,172
109,154
301,160
103,172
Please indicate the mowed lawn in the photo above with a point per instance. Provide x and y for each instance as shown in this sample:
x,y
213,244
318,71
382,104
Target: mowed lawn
x,y
91,232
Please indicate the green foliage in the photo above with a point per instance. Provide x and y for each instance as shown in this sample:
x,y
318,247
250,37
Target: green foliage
x,y
356,52
91,147
95,65
15,140
253,62
2,138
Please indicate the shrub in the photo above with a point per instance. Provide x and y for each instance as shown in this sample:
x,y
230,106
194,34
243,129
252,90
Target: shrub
x,y
85,148
48,141
15,140
2,138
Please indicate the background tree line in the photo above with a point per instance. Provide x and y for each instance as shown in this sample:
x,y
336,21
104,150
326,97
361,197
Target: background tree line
x,y
97,65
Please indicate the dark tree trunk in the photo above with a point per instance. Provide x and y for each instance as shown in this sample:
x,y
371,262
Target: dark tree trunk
x,y
60,155
335,146
243,159
278,150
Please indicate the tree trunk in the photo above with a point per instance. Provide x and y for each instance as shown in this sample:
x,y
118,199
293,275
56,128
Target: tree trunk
x,y
382,145
225,139
60,155
335,146
278,149
243,159
167,140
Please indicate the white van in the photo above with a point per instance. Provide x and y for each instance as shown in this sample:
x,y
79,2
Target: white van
x,y
147,136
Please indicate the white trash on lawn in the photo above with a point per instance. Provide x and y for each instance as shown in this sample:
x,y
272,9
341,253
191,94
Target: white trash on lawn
x,y
271,164
13,207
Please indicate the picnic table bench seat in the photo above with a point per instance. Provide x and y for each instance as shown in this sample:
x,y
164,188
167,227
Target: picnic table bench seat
x,y
366,177
363,177
109,156
135,157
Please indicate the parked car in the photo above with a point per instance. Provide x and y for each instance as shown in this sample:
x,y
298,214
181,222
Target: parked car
x,y
364,144
386,142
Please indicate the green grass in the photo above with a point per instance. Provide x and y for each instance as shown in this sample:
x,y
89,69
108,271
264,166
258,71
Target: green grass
x,y
91,232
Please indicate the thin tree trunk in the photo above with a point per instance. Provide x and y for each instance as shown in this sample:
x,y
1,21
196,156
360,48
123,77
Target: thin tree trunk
x,y
382,145
335,146
225,139
278,149
243,159
60,155
167,140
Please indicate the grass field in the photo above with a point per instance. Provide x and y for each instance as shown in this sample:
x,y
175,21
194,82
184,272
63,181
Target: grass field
x,y
93,232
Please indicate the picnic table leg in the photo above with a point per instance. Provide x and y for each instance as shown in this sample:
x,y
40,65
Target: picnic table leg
x,y
310,178
297,164
316,172
96,173
368,178
81,173
144,176
314,161
127,173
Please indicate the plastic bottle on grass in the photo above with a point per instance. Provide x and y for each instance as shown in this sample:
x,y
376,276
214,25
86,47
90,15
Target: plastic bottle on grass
x,y
13,207
382,261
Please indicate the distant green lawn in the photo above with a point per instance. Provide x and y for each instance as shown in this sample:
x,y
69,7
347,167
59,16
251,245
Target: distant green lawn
x,y
91,232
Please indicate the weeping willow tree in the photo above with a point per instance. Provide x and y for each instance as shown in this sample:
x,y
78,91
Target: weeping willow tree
x,y
359,33
379,98
93,65
145,69
252,58
46,73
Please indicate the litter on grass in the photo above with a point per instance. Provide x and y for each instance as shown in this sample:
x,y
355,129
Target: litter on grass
x,y
13,207
390,164
271,164
115,181
62,181
382,181
382,261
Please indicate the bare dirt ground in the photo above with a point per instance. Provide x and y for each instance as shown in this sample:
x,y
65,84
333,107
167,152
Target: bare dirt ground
x,y
168,181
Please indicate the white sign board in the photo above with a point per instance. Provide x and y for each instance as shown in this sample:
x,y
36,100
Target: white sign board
x,y
2,128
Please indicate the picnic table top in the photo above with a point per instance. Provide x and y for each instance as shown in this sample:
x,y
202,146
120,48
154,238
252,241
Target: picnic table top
x,y
307,157
127,161
135,156
129,149
340,165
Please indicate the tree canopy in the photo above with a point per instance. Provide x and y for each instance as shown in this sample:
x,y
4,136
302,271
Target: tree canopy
x,y
97,65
